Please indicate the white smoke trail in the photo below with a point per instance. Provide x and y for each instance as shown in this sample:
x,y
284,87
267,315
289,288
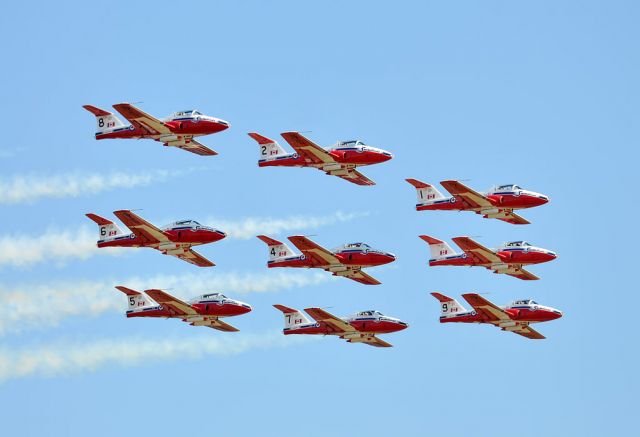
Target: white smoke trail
x,y
71,358
63,245
32,306
29,188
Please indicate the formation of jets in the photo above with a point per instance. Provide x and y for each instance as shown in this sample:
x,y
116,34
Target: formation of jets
x,y
348,260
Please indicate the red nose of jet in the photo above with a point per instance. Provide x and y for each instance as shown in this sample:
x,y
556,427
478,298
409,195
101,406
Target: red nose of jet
x,y
244,308
388,258
385,156
555,314
214,235
540,199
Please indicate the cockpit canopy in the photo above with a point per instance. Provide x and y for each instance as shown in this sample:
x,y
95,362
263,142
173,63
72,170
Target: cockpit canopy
x,y
187,113
369,313
507,187
191,223
351,143
212,296
349,246
524,302
517,244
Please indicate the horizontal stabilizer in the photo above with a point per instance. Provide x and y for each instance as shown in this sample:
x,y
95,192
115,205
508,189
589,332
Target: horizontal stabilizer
x,y
431,240
99,220
128,291
270,241
96,111
285,309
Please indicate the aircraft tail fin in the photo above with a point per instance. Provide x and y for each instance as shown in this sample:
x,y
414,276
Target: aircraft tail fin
x,y
277,249
426,192
136,299
107,227
268,148
292,316
448,305
439,249
105,120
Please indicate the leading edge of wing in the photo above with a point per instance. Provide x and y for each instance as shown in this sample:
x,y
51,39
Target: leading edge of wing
x,y
307,148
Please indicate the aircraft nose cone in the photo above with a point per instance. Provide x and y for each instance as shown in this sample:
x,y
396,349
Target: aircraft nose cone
x,y
390,257
402,325
386,156
246,308
541,199
551,255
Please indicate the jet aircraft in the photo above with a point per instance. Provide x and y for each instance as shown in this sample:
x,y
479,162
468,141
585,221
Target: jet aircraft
x,y
507,259
515,317
175,239
361,327
178,130
205,310
499,202
347,260
340,160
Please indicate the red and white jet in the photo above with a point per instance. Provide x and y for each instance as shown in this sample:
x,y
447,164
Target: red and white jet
x,y
499,202
205,310
361,327
515,317
347,260
507,259
175,239
177,130
340,160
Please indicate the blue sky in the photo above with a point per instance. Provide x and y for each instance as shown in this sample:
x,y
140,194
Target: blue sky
x,y
541,94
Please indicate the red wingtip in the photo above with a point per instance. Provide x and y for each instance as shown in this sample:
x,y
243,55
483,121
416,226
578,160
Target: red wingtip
x,y
99,220
95,111
430,240
260,139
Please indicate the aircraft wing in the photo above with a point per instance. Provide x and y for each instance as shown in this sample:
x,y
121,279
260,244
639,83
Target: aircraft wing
x,y
521,273
142,228
377,342
472,197
490,311
175,305
307,148
334,322
477,251
221,326
193,146
361,277
313,250
354,176
141,119
510,217
529,332
193,257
